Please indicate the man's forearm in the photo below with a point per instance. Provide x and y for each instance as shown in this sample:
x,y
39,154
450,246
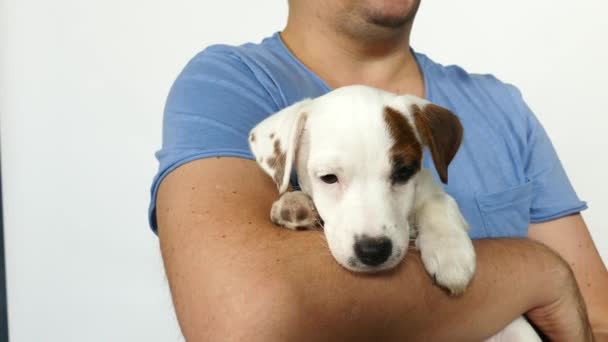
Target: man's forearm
x,y
294,279
233,275
513,276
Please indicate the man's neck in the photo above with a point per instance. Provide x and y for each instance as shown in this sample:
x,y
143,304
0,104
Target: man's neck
x,y
339,59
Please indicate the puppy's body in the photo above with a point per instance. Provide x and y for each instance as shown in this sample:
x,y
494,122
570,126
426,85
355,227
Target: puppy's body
x,y
358,155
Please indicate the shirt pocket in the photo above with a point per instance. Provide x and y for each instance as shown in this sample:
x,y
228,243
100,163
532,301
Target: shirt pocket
x,y
506,213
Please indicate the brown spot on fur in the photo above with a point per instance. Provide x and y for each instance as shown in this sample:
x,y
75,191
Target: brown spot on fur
x,y
286,214
442,131
277,162
406,152
252,137
301,214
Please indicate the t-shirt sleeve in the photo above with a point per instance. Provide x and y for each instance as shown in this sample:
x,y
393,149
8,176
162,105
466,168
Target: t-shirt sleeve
x,y
214,103
553,194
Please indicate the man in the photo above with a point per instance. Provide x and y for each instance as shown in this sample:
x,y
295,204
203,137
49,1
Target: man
x,y
234,276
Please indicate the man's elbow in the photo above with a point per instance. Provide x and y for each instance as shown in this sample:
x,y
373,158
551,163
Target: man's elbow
x,y
251,309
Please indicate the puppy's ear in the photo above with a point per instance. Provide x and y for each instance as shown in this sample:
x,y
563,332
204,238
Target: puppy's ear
x,y
441,131
438,128
274,142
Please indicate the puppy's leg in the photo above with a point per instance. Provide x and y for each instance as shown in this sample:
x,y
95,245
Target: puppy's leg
x,y
517,331
294,210
445,247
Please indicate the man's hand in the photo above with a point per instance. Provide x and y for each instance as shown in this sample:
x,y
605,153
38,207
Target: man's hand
x,y
566,318
570,238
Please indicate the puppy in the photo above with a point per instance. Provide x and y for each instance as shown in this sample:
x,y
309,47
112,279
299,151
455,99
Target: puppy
x,y
358,156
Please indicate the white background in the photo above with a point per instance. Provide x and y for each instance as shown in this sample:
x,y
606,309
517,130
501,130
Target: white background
x,y
82,88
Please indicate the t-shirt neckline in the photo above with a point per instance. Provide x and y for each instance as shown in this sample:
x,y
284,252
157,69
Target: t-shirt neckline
x,y
419,58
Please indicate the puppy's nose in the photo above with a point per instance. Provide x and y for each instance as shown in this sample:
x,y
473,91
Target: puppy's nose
x,y
373,251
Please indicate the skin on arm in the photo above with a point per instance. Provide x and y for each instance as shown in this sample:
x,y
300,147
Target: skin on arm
x,y
570,238
235,276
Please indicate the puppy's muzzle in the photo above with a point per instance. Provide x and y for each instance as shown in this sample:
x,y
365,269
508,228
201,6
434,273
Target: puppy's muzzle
x,y
373,251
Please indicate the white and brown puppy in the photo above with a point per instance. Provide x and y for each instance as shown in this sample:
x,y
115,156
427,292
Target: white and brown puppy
x,y
358,155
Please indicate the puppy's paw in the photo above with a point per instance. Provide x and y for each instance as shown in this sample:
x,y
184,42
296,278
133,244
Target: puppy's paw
x,y
294,210
449,258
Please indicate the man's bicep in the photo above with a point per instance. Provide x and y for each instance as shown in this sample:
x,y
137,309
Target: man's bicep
x,y
570,238
213,220
210,189
211,108
211,201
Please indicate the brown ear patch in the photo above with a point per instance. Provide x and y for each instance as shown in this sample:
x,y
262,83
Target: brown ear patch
x,y
277,162
406,152
442,132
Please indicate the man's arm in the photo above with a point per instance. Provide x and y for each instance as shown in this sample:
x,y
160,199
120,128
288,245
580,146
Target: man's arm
x,y
570,238
234,276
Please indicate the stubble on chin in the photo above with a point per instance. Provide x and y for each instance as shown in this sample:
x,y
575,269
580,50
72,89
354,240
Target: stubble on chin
x,y
378,18
372,23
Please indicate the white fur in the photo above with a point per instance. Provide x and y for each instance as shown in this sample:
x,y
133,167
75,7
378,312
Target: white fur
x,y
345,134
517,331
445,247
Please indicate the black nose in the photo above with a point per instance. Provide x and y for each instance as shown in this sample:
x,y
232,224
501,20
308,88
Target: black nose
x,y
373,251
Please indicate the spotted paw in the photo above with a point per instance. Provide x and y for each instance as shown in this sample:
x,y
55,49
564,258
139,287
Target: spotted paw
x,y
295,210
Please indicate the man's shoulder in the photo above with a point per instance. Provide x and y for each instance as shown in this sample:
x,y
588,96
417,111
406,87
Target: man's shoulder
x,y
246,57
267,65
459,76
455,87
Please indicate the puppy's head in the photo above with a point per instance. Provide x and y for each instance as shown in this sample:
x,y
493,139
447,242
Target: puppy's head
x,y
358,151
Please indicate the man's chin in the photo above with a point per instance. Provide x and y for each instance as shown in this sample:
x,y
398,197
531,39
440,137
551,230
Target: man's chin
x,y
388,21
396,18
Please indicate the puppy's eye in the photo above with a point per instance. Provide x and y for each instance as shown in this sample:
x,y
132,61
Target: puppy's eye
x,y
329,179
403,173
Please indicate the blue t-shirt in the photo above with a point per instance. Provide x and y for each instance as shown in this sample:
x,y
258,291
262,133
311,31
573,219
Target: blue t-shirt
x,y
505,175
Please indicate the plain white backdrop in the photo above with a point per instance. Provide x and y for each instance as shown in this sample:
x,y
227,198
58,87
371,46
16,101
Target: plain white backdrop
x,y
82,88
